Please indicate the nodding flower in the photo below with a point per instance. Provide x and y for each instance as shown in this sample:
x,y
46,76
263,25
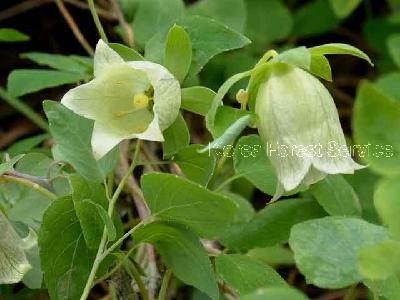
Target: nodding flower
x,y
126,100
295,112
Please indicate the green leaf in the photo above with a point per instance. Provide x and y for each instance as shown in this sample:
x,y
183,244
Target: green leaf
x,y
66,261
344,8
250,160
281,293
326,249
13,262
267,21
217,10
226,116
386,199
277,255
182,252
272,224
71,63
389,288
127,54
381,261
24,81
246,274
374,113
27,144
176,137
197,99
108,223
336,196
388,83
197,167
9,165
338,48
393,43
172,198
92,224
226,140
12,35
34,277
320,67
299,57
72,134
154,16
304,19
178,52
208,38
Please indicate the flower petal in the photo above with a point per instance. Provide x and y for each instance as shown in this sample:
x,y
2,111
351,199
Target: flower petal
x,y
104,57
167,93
103,140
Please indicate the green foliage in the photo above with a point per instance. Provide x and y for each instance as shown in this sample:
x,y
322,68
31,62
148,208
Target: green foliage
x,y
171,198
318,249
281,293
176,137
182,252
12,35
246,274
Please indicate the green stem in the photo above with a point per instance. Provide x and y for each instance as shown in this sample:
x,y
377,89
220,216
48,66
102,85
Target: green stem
x,y
97,21
133,272
164,285
352,293
24,109
32,185
155,163
101,253
228,181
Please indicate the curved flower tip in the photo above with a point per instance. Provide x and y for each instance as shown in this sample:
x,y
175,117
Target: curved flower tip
x,y
299,124
126,100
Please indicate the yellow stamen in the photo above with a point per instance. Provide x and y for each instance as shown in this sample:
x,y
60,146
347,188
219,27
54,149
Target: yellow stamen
x,y
140,101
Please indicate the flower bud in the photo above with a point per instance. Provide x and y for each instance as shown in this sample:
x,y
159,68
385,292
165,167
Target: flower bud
x,y
299,124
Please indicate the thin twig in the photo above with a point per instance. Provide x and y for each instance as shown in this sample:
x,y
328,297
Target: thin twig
x,y
25,6
123,23
74,27
164,286
96,20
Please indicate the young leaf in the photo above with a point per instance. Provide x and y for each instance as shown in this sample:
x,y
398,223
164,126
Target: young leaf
x,y
299,57
24,81
13,262
172,198
66,261
326,249
343,8
154,16
388,83
208,38
281,293
72,134
320,67
388,288
9,165
27,144
127,54
178,52
84,194
374,113
272,224
246,274
336,196
176,137
197,99
230,134
12,35
386,199
182,252
337,48
250,160
197,167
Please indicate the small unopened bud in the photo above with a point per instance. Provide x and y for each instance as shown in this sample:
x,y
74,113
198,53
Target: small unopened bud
x,y
140,101
242,97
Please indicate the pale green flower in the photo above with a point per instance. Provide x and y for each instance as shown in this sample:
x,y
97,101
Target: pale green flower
x,y
136,99
299,124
